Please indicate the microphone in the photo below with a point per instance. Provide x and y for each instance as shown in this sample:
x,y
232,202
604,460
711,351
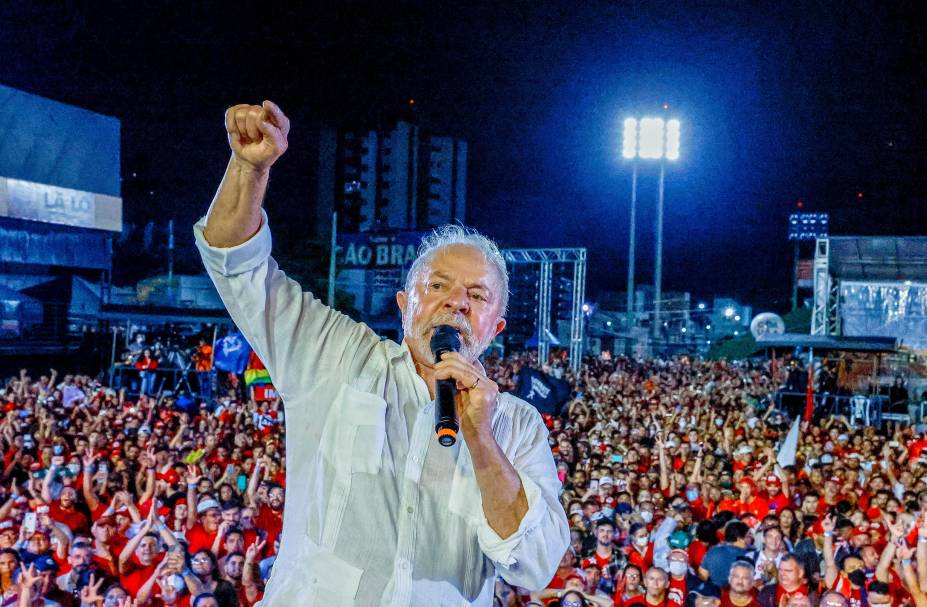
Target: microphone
x,y
445,339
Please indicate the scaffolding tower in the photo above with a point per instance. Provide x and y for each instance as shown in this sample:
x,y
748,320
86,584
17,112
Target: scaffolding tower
x,y
545,258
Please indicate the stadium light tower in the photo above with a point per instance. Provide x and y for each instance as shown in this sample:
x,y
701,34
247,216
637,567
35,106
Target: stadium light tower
x,y
649,139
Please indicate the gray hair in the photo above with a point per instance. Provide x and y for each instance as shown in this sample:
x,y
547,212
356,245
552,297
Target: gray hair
x,y
452,234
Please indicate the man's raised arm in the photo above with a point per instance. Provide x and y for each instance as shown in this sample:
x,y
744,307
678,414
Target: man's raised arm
x,y
258,136
301,341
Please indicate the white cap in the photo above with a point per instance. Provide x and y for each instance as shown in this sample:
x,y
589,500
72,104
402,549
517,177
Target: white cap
x,y
205,505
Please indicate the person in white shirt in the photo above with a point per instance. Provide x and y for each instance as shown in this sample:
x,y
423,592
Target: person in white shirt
x,y
377,512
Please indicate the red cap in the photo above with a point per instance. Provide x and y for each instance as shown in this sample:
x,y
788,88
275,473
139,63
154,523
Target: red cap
x,y
746,481
834,479
860,531
170,476
772,479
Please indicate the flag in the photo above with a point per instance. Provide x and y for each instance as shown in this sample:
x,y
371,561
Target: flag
x,y
809,394
256,373
231,353
789,446
546,393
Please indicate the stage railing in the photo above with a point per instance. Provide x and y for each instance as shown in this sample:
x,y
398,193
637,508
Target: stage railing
x,y
166,379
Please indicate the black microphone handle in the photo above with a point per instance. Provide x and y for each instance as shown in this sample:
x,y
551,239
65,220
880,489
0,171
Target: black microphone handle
x,y
446,424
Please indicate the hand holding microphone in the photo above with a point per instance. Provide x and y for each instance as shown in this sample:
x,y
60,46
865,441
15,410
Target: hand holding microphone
x,y
445,339
453,374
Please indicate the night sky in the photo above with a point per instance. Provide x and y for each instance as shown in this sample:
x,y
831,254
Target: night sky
x,y
822,102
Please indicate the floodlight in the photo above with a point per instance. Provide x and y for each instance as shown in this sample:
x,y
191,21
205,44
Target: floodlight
x,y
629,143
672,139
651,138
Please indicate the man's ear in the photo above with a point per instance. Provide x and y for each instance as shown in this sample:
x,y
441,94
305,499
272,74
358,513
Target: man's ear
x,y
401,300
500,326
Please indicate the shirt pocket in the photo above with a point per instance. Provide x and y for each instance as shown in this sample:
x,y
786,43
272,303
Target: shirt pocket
x,y
334,581
464,498
360,428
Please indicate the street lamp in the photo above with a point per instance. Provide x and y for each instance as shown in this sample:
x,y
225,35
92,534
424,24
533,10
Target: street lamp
x,y
649,139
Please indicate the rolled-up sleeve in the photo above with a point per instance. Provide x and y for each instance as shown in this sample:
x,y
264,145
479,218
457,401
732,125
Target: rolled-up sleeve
x,y
298,338
529,557
230,261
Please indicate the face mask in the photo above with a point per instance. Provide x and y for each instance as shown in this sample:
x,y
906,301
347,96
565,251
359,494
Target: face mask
x,y
642,540
676,568
719,422
691,494
858,577
623,508
647,515
74,468
608,511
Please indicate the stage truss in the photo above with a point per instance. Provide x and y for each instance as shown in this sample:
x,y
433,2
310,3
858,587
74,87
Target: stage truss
x,y
545,258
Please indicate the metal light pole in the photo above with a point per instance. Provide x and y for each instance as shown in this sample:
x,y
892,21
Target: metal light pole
x,y
631,248
656,139
658,260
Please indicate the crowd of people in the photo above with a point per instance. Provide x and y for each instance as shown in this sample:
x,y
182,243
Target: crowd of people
x,y
112,502
677,494
671,482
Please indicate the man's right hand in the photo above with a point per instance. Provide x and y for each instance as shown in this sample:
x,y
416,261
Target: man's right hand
x,y
257,134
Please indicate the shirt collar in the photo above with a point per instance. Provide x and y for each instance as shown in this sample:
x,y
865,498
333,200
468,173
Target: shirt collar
x,y
395,350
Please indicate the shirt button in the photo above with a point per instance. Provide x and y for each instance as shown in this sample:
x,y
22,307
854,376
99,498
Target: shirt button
x,y
404,564
410,509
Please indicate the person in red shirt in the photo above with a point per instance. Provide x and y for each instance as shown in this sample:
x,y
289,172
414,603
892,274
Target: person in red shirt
x,y
146,366
679,578
63,511
138,561
202,535
749,501
103,557
790,582
656,583
640,548
630,589
270,515
776,494
740,591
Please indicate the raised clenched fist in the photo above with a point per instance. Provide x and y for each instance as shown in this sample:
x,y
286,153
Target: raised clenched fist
x,y
257,133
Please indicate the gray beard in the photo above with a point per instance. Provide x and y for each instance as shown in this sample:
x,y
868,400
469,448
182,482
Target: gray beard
x,y
420,342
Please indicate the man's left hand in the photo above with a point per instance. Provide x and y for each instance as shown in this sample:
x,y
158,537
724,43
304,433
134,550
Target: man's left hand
x,y
476,394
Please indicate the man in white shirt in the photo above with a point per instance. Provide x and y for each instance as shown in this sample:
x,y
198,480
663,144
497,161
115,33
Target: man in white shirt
x,y
378,513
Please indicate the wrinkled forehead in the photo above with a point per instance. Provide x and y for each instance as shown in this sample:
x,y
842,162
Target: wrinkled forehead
x,y
463,263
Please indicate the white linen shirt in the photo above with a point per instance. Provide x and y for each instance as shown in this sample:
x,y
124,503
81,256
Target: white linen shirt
x,y
377,512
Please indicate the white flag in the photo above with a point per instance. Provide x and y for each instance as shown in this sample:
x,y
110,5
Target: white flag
x,y
789,446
